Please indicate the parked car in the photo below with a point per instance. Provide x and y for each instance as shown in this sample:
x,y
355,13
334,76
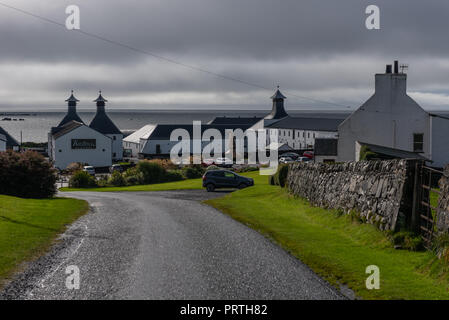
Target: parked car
x,y
286,160
290,155
215,179
303,159
208,162
308,154
116,167
223,162
89,169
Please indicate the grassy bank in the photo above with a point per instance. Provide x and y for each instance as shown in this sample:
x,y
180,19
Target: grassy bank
x,y
178,185
336,248
28,227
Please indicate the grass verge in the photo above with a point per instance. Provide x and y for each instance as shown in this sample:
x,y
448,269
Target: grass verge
x,y
29,226
336,248
178,185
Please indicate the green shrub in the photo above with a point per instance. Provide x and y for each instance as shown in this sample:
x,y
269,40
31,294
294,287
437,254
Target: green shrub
x,y
82,179
173,175
193,172
152,172
280,177
133,176
26,175
407,240
246,169
117,179
212,167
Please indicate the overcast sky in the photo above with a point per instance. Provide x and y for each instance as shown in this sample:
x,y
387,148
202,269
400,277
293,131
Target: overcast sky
x,y
316,48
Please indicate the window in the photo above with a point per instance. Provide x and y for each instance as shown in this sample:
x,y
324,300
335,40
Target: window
x,y
114,155
114,138
418,142
229,175
158,149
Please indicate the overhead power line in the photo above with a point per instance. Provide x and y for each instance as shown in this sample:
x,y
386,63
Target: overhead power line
x,y
145,52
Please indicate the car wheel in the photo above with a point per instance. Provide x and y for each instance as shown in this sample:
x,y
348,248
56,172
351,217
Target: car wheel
x,y
243,185
210,187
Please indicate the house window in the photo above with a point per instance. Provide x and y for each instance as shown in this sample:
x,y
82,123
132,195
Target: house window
x,y
114,138
158,149
418,142
114,155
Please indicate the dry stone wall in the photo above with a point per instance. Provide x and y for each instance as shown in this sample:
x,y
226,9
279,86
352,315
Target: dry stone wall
x,y
443,203
379,191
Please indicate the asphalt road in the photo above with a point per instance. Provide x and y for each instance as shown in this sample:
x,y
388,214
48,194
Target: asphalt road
x,y
165,245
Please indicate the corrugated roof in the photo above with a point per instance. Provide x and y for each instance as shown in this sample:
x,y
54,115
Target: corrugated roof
x,y
66,128
392,152
142,133
312,124
326,147
10,141
103,124
235,120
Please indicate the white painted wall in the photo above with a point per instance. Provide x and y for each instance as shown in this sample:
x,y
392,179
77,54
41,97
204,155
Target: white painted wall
x,y
134,147
62,153
302,139
117,146
440,141
389,118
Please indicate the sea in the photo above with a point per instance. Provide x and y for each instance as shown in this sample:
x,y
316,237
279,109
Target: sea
x,y
29,126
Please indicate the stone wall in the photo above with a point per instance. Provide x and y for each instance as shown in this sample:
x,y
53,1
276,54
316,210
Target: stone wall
x,y
380,191
443,203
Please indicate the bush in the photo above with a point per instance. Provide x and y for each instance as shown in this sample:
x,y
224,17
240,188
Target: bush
x,y
152,172
212,167
246,169
82,179
74,167
280,177
193,172
167,164
133,176
26,175
117,179
173,175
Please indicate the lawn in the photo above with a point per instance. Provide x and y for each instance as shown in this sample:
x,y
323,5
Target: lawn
x,y
178,185
28,227
335,247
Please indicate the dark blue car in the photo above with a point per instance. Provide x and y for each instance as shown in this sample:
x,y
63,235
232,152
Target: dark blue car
x,y
215,179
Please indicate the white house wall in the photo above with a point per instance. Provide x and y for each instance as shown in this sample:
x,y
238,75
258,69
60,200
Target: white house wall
x,y
440,141
63,154
389,118
117,146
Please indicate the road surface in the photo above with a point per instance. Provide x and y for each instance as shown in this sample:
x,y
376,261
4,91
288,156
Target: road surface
x,y
165,245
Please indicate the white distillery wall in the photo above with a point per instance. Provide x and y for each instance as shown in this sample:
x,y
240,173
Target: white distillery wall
x,y
440,141
63,154
389,118
149,147
133,147
117,146
302,139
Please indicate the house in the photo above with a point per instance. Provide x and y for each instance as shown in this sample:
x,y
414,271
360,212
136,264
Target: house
x,y
132,143
390,118
103,124
2,142
76,142
299,133
98,144
11,143
154,140
325,150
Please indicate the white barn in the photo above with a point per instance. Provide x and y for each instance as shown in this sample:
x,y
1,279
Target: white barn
x,y
76,142
390,118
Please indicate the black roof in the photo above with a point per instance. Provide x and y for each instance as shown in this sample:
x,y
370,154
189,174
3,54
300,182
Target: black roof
x,y
103,124
10,141
235,120
66,128
313,124
163,131
70,116
326,147
392,152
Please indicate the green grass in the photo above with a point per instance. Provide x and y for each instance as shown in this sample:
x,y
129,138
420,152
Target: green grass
x,y
335,247
178,185
28,227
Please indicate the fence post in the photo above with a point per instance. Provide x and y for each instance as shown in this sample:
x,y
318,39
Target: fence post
x,y
416,197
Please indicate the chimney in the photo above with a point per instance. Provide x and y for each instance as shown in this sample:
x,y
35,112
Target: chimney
x,y
389,66
396,66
